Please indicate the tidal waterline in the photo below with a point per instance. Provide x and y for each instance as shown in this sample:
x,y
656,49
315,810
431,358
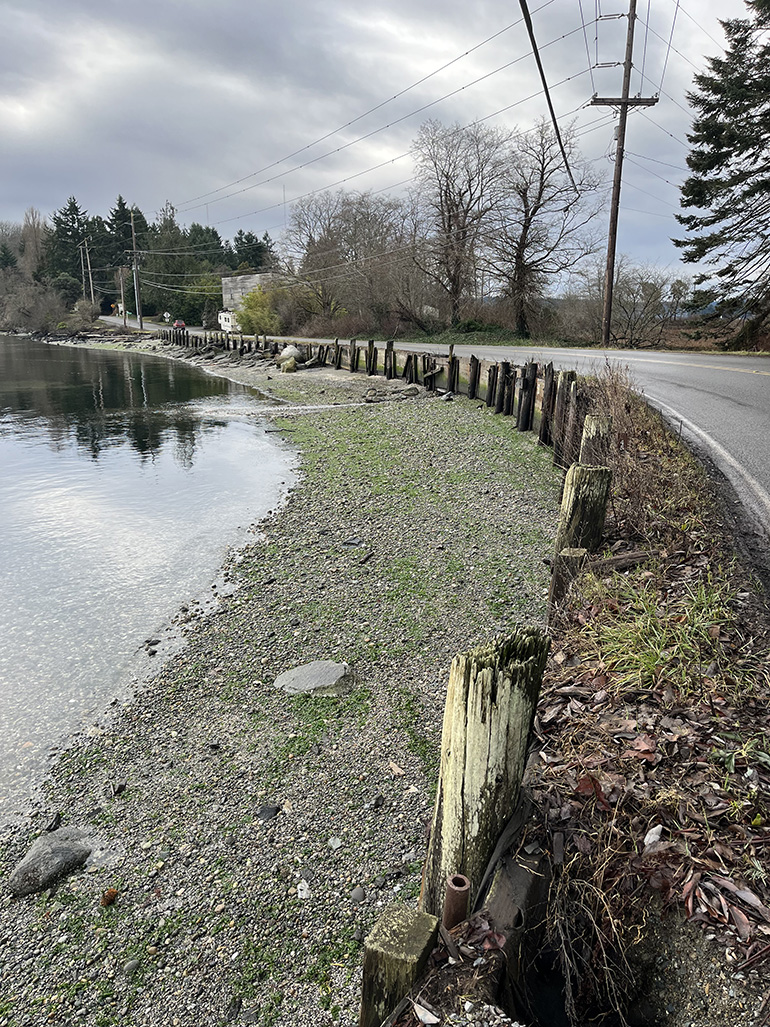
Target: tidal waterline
x,y
124,479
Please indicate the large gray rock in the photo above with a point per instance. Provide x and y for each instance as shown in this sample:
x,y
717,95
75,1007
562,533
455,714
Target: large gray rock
x,y
288,353
51,857
321,677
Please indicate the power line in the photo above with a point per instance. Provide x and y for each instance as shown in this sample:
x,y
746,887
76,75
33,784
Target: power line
x,y
676,167
650,213
668,50
392,160
588,52
677,52
382,128
649,171
360,117
554,122
704,31
644,51
651,195
669,134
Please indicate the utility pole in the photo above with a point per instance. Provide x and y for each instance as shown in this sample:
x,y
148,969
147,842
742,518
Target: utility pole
x,y
137,294
623,103
123,295
82,269
90,276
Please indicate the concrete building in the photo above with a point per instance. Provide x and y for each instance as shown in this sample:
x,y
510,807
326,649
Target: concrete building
x,y
236,287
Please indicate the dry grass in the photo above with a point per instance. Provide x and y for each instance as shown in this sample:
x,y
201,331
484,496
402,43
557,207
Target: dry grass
x,y
654,712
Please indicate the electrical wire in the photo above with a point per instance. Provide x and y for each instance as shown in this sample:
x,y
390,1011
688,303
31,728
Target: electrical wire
x,y
644,51
677,52
641,156
669,134
554,122
650,213
668,50
392,160
375,131
360,117
704,31
649,171
588,52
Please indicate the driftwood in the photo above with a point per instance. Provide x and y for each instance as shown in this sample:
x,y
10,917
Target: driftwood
x,y
621,562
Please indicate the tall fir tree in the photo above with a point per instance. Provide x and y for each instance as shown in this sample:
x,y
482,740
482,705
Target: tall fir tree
x,y
69,230
728,190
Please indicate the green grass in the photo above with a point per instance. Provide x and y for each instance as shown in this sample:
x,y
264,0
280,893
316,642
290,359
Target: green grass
x,y
643,641
325,959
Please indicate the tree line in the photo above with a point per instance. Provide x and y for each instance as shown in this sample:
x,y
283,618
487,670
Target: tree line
x,y
494,231
61,273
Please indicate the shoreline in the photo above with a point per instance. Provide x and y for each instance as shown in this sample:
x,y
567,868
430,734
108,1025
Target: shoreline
x,y
45,706
233,792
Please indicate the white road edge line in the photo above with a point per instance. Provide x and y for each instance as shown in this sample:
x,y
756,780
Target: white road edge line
x,y
725,460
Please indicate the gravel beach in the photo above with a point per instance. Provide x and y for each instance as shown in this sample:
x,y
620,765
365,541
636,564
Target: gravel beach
x,y
250,838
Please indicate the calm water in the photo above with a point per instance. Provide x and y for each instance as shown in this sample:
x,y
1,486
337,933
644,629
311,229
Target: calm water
x,y
123,480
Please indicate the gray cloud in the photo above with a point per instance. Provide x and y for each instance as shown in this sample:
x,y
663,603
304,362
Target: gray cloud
x,y
170,100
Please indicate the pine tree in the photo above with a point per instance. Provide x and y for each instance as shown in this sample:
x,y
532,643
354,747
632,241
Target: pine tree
x,y
728,192
7,258
70,228
119,227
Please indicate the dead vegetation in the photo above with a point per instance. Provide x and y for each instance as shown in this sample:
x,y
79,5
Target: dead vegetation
x,y
654,726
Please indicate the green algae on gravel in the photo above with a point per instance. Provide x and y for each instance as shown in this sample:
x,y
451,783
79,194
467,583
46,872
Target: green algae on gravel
x,y
417,530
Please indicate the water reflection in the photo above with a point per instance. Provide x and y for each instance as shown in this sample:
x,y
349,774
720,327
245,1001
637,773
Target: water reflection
x,y
123,479
99,397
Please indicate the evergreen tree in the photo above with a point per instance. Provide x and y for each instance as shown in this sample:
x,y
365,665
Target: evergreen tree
x,y
252,251
7,257
70,228
728,192
119,227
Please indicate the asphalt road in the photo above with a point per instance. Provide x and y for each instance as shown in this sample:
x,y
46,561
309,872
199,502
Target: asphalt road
x,y
719,402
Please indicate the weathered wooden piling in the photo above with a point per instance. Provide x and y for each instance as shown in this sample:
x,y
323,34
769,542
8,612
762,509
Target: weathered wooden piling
x,y
560,414
509,402
395,954
503,385
490,706
527,393
596,441
583,508
474,375
492,376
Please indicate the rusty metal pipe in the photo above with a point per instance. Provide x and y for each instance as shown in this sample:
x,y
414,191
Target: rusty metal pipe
x,y
458,891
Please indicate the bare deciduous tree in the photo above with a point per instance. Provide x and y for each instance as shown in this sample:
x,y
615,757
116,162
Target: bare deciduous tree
x,y
543,225
460,174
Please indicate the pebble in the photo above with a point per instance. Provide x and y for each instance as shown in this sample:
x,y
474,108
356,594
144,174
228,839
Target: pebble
x,y
236,824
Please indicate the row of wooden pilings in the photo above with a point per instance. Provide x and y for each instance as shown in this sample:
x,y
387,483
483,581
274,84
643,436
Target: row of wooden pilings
x,y
508,389
480,809
493,691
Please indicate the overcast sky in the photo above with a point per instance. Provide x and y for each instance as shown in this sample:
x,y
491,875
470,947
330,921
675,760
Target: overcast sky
x,y
222,108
